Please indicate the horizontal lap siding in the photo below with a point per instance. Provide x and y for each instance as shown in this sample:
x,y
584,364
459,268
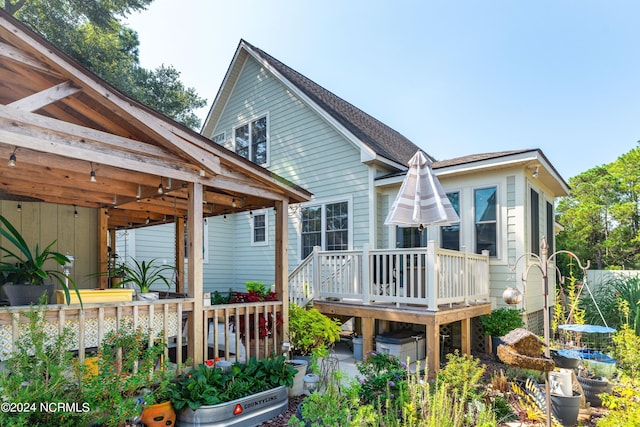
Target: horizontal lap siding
x,y
304,149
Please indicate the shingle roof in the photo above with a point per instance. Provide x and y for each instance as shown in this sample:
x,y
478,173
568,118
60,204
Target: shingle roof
x,y
476,158
385,141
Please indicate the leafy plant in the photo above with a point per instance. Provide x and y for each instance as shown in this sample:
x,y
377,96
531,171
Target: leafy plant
x,y
145,274
311,330
27,266
461,374
384,375
39,373
128,363
501,321
208,384
608,294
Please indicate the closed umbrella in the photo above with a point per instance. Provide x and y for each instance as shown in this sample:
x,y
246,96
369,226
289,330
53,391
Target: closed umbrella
x,y
421,200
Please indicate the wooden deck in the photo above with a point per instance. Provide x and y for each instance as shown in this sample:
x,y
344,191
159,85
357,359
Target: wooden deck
x,y
409,314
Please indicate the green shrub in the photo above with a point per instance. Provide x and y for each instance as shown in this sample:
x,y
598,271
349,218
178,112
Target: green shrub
x,y
501,321
311,330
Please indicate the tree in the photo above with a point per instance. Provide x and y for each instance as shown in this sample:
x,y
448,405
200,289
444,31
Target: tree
x,y
601,216
90,32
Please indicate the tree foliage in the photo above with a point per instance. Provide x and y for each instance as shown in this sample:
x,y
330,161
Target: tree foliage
x,y
601,215
90,31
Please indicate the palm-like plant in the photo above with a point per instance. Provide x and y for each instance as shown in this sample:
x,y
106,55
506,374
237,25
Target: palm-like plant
x,y
144,274
25,266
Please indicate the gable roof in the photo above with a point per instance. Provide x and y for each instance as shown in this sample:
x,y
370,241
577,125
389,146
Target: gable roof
x,y
63,121
378,137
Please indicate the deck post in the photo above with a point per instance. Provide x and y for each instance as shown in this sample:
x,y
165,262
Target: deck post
x,y
282,266
433,348
367,335
431,277
315,272
196,343
366,286
465,333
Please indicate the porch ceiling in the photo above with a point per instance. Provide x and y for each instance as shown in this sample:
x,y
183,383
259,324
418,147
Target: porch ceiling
x,y
61,121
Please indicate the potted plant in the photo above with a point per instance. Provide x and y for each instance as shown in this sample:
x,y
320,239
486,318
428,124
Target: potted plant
x,y
26,270
157,408
499,323
144,275
246,394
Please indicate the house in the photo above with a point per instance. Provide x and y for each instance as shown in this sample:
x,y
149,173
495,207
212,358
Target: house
x,y
87,161
353,165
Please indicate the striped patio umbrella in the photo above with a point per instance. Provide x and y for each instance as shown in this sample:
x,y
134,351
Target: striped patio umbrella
x,y
421,200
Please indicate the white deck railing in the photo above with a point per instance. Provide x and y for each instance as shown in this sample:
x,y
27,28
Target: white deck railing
x,y
424,276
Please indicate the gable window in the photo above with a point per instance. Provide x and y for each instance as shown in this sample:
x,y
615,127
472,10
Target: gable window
x,y
326,226
486,230
450,234
550,223
251,140
259,227
535,222
219,138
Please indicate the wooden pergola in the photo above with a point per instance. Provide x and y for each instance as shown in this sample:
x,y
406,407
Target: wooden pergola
x,y
64,126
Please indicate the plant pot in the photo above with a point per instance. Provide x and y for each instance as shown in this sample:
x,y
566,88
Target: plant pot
x,y
298,381
96,296
592,388
25,294
147,296
566,408
159,415
495,342
247,411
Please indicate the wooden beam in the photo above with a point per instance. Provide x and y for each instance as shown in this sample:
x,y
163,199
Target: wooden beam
x,y
196,317
367,335
281,261
20,57
179,254
103,244
48,96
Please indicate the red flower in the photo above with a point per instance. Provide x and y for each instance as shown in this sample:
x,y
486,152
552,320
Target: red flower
x,y
210,363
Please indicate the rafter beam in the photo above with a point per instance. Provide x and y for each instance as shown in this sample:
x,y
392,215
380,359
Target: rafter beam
x,y
48,96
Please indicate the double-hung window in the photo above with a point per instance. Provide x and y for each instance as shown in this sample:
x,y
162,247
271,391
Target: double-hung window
x,y
326,226
259,228
251,140
486,232
450,234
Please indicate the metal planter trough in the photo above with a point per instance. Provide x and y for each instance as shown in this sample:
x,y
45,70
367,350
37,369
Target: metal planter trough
x,y
244,412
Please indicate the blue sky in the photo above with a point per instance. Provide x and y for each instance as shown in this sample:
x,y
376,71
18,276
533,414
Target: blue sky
x,y
455,77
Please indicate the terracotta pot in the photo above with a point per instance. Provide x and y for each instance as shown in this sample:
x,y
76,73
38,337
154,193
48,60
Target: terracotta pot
x,y
161,414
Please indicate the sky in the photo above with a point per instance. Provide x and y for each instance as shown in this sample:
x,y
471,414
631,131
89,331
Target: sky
x,y
455,77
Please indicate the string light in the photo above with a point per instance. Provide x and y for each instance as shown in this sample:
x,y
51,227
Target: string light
x,y
233,202
160,187
19,208
75,211
92,174
12,158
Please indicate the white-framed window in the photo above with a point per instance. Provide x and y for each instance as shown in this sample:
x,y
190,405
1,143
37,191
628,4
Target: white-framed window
x,y
325,225
450,234
205,240
550,227
218,138
251,140
486,220
259,228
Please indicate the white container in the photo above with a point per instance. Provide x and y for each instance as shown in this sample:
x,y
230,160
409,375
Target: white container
x,y
403,344
564,379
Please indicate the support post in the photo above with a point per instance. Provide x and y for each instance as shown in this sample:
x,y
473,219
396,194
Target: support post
x,y
431,277
179,254
282,266
196,343
103,253
433,348
367,336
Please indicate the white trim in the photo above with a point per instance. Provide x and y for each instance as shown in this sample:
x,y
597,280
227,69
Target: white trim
x,y
323,203
221,142
249,121
252,218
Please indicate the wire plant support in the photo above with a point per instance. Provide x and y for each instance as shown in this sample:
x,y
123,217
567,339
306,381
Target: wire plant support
x,y
543,263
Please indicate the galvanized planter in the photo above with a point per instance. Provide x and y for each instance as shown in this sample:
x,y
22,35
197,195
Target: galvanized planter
x,y
245,412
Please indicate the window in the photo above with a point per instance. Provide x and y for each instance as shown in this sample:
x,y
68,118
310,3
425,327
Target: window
x,y
550,227
486,220
326,226
450,234
411,237
259,228
219,138
251,140
205,240
535,222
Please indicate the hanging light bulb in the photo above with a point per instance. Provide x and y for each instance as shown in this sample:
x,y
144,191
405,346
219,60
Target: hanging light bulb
x,y
148,220
160,187
75,211
92,174
139,193
233,202
19,208
12,158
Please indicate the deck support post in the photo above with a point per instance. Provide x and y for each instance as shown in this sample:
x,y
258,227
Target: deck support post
x,y
433,348
465,333
367,335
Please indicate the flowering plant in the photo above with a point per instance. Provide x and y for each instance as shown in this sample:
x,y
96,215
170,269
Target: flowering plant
x,y
256,292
